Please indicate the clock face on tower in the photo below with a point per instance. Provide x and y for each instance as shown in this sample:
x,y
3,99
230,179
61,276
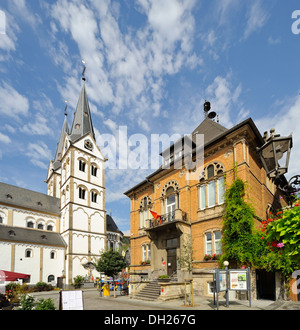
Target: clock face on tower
x,y
88,145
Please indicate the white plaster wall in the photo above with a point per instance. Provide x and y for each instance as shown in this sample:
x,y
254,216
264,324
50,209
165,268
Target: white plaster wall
x,y
80,243
77,266
97,222
97,244
5,256
28,265
80,219
52,266
4,215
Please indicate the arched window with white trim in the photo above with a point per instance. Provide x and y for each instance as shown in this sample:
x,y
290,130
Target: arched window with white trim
x,y
212,186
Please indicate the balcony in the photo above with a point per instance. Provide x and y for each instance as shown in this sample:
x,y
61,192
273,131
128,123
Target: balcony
x,y
166,220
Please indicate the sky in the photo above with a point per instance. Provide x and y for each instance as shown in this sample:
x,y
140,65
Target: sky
x,y
150,66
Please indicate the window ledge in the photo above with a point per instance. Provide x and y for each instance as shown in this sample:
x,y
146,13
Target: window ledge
x,y
211,212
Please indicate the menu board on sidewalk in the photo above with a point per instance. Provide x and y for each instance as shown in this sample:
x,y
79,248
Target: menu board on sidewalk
x,y
71,300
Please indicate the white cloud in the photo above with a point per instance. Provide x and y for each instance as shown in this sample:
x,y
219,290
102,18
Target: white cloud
x,y
19,7
4,139
12,104
127,69
39,153
256,18
285,122
274,41
39,127
9,39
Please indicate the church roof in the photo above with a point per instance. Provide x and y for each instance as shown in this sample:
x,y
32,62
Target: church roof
x,y
20,197
31,236
111,225
82,123
57,158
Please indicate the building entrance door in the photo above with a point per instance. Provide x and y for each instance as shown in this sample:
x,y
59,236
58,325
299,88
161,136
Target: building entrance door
x,y
172,261
265,283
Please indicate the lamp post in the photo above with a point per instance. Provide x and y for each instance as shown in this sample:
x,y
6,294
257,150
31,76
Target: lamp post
x,y
275,157
226,264
275,154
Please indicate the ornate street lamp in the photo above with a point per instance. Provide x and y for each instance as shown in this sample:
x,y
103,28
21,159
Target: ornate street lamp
x,y
275,154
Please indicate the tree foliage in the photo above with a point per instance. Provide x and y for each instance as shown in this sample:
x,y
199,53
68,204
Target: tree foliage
x,y
275,247
237,238
110,263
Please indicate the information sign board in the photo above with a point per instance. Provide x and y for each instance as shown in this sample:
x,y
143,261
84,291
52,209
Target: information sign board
x,y
221,280
238,280
71,300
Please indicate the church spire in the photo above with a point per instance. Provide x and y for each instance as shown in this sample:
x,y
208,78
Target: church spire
x,y
65,130
82,123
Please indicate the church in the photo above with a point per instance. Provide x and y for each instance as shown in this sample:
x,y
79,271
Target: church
x,y
55,237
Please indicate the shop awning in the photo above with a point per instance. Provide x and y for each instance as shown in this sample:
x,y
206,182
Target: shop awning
x,y
12,276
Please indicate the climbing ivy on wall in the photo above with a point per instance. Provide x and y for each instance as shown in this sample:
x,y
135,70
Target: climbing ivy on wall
x,y
274,247
237,238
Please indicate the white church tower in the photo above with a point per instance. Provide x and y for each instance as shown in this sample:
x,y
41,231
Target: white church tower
x,y
76,176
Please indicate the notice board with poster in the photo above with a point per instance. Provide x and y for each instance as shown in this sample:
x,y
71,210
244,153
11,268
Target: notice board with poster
x,y
231,279
238,280
71,300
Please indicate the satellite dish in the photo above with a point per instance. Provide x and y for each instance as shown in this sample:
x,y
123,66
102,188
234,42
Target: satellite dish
x,y
212,115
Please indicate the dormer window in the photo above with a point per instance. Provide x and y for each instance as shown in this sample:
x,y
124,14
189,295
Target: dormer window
x,y
8,196
39,204
11,233
77,126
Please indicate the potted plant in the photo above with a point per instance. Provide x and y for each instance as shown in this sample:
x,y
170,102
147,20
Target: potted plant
x,y
164,278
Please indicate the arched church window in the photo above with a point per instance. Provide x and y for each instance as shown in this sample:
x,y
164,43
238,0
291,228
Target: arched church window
x,y
82,192
30,224
28,253
51,278
40,226
82,165
50,228
94,170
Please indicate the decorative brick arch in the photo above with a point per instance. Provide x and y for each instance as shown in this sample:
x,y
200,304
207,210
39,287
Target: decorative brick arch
x,y
149,202
171,183
218,170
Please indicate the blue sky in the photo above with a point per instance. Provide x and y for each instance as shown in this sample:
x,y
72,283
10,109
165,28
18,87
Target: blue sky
x,y
150,66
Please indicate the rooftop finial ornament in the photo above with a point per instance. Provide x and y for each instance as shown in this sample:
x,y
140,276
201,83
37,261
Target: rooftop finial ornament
x,y
66,107
83,71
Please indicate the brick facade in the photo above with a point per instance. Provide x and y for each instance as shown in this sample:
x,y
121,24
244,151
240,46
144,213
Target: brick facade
x,y
189,221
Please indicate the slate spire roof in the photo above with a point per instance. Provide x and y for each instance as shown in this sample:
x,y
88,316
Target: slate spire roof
x,y
65,130
82,123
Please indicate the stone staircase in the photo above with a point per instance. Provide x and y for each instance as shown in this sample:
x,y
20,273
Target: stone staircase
x,y
150,292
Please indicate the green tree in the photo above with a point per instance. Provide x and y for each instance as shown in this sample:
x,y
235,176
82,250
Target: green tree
x,y
110,263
